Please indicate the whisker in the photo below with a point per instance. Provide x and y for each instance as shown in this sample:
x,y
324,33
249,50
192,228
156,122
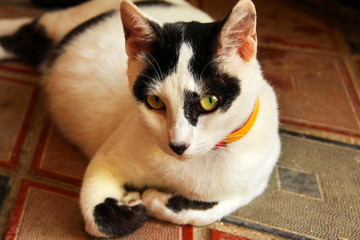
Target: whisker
x,y
156,68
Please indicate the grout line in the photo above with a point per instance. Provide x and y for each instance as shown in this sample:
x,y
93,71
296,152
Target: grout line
x,y
319,139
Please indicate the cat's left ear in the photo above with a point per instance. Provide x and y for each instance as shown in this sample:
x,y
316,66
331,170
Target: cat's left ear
x,y
238,34
140,33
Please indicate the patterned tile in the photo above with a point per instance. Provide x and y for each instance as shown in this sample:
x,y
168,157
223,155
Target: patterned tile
x,y
46,212
299,182
281,23
57,158
154,230
18,71
226,230
17,101
219,235
314,90
301,216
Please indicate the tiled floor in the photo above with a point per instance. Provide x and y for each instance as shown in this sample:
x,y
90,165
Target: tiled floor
x,y
313,62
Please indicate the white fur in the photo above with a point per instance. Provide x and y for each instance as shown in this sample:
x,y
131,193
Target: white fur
x,y
90,99
5,54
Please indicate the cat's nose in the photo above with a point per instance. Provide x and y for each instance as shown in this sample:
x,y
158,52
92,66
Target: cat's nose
x,y
178,148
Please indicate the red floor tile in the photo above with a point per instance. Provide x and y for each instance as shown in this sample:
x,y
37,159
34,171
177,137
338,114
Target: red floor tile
x,y
219,235
57,158
17,67
281,23
314,90
17,101
46,212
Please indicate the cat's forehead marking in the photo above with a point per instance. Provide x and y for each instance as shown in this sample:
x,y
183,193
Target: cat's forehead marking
x,y
187,51
204,66
161,63
164,60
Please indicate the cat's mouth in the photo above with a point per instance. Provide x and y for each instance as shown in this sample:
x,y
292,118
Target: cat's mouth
x,y
185,155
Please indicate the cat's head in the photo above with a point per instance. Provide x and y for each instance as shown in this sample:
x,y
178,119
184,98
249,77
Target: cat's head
x,y
194,83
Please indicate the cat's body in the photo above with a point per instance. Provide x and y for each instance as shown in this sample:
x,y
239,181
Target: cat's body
x,y
157,158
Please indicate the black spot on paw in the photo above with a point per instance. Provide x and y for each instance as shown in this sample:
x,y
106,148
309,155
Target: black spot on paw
x,y
178,203
117,221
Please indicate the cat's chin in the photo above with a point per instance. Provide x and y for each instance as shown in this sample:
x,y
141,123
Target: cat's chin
x,y
183,157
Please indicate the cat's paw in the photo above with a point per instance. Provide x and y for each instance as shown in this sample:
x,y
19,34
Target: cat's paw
x,y
178,209
117,219
155,203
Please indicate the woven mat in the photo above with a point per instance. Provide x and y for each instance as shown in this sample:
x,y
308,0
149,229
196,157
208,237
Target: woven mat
x,y
314,192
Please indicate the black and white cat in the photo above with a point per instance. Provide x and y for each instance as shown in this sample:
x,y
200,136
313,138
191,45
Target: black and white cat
x,y
170,106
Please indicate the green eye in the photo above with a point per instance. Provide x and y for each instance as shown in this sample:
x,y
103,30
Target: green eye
x,y
155,102
209,103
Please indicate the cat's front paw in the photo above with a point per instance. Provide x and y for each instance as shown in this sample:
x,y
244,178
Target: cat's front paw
x,y
117,219
178,209
155,204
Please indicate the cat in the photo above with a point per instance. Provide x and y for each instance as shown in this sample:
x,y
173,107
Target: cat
x,y
170,106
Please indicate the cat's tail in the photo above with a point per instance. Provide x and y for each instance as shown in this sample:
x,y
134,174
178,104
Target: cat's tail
x,y
23,39
30,40
9,27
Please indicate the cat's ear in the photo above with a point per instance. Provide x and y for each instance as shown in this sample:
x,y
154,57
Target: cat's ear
x,y
140,33
238,34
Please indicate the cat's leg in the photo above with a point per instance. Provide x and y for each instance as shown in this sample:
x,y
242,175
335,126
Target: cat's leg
x,y
180,210
108,207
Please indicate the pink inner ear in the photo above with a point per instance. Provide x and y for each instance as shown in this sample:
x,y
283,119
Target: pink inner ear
x,y
239,32
247,48
139,34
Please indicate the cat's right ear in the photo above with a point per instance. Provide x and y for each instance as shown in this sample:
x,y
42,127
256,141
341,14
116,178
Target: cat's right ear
x,y
238,34
140,33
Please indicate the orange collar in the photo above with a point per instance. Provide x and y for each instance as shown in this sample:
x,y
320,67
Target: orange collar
x,y
241,132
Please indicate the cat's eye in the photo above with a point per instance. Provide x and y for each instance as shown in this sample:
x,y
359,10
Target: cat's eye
x,y
155,102
209,103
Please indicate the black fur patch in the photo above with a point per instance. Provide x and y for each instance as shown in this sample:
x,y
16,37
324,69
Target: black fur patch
x,y
118,221
57,3
191,102
30,44
178,203
76,32
162,62
203,38
152,3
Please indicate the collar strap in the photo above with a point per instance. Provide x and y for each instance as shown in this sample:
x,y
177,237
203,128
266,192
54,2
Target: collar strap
x,y
241,132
